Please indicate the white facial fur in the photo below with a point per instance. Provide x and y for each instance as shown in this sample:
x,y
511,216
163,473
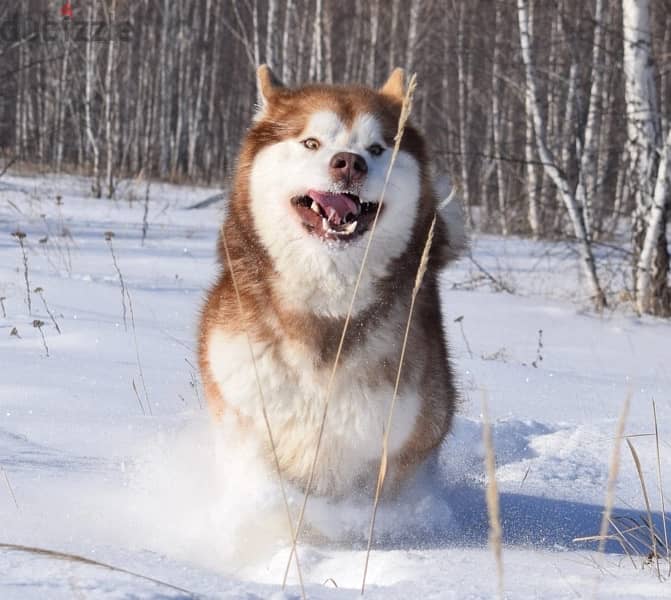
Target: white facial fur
x,y
320,275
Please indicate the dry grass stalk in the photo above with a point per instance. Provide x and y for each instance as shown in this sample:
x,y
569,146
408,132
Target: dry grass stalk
x,y
38,325
75,558
264,411
460,320
613,471
125,294
421,270
406,108
492,496
2,306
660,485
653,538
627,546
193,383
137,395
137,353
20,236
108,238
9,487
40,292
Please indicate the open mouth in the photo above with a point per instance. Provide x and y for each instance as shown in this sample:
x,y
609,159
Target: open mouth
x,y
334,216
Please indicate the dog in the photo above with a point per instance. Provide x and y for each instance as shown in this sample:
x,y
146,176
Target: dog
x,y
306,190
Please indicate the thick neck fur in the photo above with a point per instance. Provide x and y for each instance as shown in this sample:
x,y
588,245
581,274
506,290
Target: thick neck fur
x,y
266,314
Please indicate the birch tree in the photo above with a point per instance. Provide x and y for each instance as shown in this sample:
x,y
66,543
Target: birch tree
x,y
650,173
109,107
557,175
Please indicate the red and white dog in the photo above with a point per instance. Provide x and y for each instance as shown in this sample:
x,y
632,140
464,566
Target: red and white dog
x,y
308,182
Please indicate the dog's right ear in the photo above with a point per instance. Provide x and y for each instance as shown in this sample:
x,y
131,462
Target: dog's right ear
x,y
267,86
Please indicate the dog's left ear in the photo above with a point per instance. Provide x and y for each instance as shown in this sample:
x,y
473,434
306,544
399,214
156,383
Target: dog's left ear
x,y
267,85
395,85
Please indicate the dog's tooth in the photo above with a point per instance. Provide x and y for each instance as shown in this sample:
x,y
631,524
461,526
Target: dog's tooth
x,y
325,224
314,206
350,227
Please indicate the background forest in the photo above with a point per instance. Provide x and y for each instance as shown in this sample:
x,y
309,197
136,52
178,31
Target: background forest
x,y
551,118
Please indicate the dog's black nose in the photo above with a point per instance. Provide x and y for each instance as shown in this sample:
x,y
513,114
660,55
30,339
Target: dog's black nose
x,y
348,166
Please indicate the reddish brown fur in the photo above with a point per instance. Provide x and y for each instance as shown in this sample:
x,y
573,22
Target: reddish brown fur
x,y
267,320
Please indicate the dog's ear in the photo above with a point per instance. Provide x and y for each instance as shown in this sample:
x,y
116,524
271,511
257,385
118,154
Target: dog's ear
x,y
267,86
395,85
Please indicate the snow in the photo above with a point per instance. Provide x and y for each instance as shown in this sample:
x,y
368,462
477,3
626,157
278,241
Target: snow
x,y
155,494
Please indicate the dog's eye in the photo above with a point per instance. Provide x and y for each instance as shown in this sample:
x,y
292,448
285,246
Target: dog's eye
x,y
311,143
375,149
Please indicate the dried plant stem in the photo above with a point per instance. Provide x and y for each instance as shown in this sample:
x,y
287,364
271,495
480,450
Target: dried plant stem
x,y
139,401
651,527
9,487
137,354
460,320
20,236
264,411
88,561
38,325
403,118
492,496
539,351
193,383
108,237
40,292
660,485
613,471
2,306
421,270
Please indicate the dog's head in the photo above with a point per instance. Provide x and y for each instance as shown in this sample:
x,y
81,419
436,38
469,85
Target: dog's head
x,y
313,169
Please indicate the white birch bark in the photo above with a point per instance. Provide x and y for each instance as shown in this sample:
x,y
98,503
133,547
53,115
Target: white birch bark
x,y
286,29
255,33
462,66
61,104
645,299
212,92
327,25
316,51
109,108
549,163
649,244
643,117
533,207
164,100
496,120
393,37
90,74
195,112
412,36
271,26
19,105
374,28
587,173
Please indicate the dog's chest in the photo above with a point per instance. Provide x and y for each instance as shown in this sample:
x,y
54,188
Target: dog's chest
x,y
295,394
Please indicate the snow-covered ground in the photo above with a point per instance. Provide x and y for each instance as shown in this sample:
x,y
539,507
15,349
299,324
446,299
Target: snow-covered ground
x,y
87,472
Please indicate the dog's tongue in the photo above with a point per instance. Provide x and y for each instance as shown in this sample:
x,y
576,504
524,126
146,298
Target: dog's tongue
x,y
335,206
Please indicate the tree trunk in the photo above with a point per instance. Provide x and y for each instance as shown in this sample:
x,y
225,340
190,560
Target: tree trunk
x,y
286,57
649,246
496,120
109,108
96,187
549,163
587,173
654,295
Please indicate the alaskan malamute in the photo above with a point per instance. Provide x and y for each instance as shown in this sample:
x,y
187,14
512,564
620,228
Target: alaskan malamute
x,y
306,190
